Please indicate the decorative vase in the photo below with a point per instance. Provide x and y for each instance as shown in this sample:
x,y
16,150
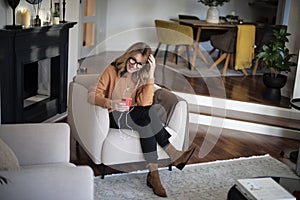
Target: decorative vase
x,y
274,85
212,15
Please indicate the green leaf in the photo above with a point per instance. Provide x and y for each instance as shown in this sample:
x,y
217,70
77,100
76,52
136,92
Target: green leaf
x,y
276,55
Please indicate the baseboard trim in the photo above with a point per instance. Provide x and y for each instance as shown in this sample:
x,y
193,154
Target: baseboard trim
x,y
223,123
228,104
234,124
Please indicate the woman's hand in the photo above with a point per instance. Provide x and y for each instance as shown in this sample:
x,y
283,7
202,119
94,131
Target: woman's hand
x,y
119,105
152,64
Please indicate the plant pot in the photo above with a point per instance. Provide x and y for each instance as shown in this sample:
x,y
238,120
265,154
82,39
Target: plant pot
x,y
55,20
212,15
274,85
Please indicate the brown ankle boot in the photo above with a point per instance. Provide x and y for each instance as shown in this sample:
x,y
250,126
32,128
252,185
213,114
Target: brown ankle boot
x,y
179,158
153,180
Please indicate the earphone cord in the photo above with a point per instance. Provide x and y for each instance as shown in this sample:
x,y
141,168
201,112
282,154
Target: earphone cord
x,y
126,120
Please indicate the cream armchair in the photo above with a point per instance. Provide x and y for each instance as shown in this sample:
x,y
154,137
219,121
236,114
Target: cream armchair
x,y
104,145
43,152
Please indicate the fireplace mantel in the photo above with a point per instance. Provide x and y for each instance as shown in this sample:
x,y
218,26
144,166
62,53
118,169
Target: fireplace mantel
x,y
26,47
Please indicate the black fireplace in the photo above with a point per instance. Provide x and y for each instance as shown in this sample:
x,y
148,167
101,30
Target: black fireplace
x,y
34,73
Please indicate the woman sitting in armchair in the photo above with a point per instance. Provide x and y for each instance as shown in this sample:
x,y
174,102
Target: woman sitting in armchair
x,y
126,89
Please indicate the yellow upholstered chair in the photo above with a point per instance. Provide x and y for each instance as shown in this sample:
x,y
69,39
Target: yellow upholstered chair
x,y
170,33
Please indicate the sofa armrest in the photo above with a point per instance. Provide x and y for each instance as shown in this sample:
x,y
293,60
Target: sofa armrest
x,y
38,143
48,182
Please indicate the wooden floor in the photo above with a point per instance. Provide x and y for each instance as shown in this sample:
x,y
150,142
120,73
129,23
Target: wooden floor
x,y
230,144
240,88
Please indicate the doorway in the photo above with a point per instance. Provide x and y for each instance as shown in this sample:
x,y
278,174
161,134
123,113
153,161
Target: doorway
x,y
88,27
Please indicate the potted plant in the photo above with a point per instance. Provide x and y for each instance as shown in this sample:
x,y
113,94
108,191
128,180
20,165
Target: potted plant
x,y
277,58
213,12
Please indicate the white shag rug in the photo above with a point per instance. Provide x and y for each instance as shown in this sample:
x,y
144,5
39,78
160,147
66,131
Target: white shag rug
x,y
202,181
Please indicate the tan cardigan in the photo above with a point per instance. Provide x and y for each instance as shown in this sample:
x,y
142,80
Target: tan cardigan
x,y
110,87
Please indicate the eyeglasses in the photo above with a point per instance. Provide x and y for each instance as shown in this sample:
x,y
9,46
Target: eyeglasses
x,y
133,61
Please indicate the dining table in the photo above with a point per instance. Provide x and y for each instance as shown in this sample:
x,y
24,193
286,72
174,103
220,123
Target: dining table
x,y
202,25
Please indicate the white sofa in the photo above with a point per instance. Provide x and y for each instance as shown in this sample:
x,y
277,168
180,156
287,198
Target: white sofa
x,y
90,127
43,152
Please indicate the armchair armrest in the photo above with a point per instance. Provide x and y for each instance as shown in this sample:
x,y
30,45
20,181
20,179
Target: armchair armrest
x,y
173,111
179,121
38,143
89,123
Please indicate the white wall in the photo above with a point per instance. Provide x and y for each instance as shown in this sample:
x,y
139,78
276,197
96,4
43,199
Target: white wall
x,y
296,93
293,44
72,14
126,18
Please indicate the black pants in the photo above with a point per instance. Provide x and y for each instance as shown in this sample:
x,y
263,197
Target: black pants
x,y
147,123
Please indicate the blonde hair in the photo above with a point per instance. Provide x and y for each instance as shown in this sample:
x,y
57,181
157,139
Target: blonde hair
x,y
142,75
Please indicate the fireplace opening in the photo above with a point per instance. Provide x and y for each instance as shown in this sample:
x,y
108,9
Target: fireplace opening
x,y
40,89
36,82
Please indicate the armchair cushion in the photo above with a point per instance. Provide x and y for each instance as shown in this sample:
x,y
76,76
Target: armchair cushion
x,y
8,160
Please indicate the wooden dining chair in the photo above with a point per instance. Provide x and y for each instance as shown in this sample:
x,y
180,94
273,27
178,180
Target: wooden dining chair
x,y
237,43
226,43
173,34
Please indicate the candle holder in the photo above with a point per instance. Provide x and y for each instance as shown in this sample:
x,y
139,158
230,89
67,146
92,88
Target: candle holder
x,y
37,21
36,6
13,4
